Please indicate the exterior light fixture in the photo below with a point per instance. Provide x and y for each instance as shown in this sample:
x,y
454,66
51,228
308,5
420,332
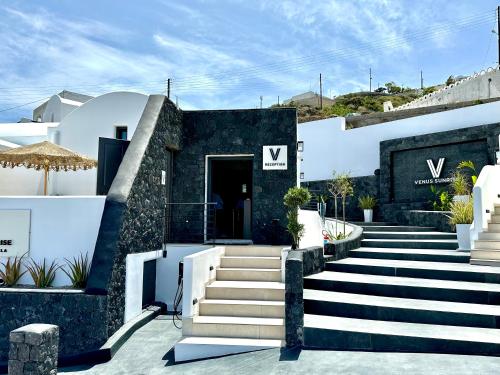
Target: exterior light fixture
x,y
301,175
300,146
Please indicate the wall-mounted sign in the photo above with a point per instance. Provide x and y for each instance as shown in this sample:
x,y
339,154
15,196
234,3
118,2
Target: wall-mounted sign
x,y
163,177
436,170
274,158
14,232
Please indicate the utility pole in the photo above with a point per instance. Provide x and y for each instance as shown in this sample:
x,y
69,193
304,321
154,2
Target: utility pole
x,y
370,79
421,80
498,32
320,92
261,102
168,88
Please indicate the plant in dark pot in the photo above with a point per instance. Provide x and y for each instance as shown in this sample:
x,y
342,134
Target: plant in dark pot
x,y
293,199
461,216
367,203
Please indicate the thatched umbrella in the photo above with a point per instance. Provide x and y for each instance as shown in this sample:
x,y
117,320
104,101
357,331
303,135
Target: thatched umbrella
x,y
45,156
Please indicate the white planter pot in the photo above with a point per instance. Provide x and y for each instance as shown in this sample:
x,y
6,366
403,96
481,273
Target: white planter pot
x,y
463,236
461,198
368,215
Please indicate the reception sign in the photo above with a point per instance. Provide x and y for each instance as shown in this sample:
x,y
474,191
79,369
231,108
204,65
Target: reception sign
x,y
14,232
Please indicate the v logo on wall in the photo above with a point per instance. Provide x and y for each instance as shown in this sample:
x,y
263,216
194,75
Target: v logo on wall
x,y
275,157
436,170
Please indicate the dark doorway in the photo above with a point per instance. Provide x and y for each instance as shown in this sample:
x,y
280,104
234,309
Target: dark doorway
x,y
230,187
111,152
149,283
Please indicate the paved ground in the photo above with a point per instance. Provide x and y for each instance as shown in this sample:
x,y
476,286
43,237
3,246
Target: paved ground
x,y
149,351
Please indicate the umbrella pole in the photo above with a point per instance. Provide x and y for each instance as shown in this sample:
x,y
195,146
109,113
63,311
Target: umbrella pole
x,y
46,172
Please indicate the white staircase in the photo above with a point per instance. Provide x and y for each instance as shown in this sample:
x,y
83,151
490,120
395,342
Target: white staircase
x,y
243,308
487,247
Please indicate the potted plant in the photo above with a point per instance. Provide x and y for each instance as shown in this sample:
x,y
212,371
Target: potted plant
x,y
462,216
293,199
367,203
460,187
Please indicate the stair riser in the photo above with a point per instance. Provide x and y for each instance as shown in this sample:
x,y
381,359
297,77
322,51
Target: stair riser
x,y
237,330
256,311
348,310
344,340
488,245
254,251
406,236
415,292
397,229
248,275
485,254
497,210
411,245
414,272
489,236
494,228
408,256
495,219
257,294
250,263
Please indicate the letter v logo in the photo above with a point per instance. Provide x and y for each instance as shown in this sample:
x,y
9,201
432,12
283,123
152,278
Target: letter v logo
x,y
275,155
435,171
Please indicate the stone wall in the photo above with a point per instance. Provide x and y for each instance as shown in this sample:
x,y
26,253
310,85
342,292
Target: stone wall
x,y
133,217
240,132
81,317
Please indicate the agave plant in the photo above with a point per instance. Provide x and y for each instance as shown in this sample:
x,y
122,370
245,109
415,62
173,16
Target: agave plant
x,y
78,273
11,272
42,276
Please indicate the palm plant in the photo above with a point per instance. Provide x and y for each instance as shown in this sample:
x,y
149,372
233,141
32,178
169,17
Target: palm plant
x,y
293,199
469,164
11,272
78,271
42,276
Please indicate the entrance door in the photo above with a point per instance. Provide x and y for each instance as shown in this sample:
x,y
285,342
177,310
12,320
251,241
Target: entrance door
x,y
111,152
230,187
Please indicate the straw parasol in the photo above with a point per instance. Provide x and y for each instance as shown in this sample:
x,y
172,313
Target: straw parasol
x,y
45,156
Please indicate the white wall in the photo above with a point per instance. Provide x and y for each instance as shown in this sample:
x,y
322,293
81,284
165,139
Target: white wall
x,y
80,131
61,227
328,147
57,108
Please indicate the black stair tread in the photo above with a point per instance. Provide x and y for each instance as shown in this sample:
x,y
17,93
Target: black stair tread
x,y
404,281
412,240
379,327
398,250
444,266
401,303
427,233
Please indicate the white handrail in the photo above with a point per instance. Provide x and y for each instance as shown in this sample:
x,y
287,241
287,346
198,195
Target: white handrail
x,y
486,191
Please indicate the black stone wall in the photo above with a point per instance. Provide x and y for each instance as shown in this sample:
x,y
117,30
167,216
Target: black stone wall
x,y
240,132
80,317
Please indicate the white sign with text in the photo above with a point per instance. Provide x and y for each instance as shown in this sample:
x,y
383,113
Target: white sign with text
x,y
275,158
14,232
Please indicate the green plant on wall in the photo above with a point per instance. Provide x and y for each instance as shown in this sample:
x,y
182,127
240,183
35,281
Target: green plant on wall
x,y
43,276
293,199
11,272
468,164
441,200
78,270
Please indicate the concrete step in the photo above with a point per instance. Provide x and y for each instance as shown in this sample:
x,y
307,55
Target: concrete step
x,y
242,308
246,290
497,210
249,274
493,228
371,335
418,269
428,255
490,236
191,348
231,326
485,262
495,219
412,244
487,254
250,262
409,235
362,306
254,251
487,244
405,287
397,228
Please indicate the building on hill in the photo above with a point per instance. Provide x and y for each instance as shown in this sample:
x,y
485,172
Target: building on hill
x,y
309,98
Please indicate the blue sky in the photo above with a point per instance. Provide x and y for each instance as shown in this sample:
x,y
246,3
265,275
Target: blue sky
x,y
226,54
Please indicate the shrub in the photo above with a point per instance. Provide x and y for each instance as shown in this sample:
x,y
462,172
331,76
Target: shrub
x,y
468,164
442,199
461,212
11,272
78,273
293,199
460,185
367,202
42,276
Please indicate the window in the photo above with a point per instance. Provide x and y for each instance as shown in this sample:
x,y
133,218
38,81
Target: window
x,y
121,132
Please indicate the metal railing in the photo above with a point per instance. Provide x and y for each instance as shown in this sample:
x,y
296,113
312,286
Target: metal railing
x,y
190,222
